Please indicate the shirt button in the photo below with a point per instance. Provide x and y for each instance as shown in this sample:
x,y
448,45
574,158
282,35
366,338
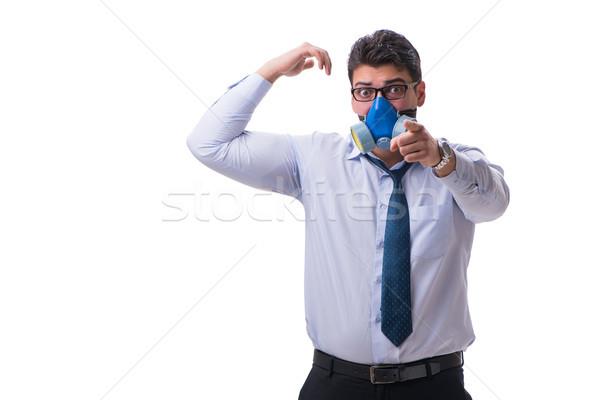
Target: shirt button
x,y
378,280
378,319
380,244
383,206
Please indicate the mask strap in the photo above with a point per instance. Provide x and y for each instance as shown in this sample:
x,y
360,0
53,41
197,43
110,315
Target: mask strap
x,y
408,112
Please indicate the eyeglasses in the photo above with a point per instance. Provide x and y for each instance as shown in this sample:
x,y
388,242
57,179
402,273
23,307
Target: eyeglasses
x,y
391,92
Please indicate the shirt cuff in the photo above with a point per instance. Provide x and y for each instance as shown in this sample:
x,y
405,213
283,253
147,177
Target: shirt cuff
x,y
254,87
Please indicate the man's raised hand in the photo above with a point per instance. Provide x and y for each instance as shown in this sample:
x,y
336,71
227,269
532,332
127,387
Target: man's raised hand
x,y
295,61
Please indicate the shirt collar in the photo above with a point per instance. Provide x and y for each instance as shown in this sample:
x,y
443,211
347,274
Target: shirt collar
x,y
352,150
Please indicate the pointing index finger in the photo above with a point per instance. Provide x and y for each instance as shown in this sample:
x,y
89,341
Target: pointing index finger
x,y
412,125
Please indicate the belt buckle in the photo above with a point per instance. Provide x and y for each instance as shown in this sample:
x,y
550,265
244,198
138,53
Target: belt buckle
x,y
392,379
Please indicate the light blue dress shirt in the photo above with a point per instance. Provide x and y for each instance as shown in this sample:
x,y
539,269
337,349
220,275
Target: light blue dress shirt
x,y
345,198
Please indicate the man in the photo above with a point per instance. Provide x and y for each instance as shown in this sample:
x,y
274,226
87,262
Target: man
x,y
389,227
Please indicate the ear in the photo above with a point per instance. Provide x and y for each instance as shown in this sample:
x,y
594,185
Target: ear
x,y
420,94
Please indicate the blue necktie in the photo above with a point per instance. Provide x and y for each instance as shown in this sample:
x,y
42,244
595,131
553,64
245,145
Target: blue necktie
x,y
396,319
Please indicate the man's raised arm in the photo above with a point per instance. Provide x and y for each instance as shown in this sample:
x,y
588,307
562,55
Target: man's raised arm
x,y
261,160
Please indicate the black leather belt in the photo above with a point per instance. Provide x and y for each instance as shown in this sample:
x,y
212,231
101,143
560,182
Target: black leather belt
x,y
389,373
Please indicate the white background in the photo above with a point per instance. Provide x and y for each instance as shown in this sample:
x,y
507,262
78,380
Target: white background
x,y
131,271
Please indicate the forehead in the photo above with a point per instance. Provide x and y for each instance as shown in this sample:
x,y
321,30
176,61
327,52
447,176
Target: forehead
x,y
366,75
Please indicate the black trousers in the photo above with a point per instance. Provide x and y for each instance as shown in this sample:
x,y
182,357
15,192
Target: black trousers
x,y
323,385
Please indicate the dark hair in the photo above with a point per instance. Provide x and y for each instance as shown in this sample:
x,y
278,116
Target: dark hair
x,y
385,47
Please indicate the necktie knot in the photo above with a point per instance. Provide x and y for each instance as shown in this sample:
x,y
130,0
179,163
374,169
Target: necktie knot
x,y
395,174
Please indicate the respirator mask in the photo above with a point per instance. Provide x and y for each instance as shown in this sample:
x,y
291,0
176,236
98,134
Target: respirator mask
x,y
381,124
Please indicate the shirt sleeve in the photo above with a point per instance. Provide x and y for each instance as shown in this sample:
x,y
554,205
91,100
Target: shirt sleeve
x,y
478,186
264,161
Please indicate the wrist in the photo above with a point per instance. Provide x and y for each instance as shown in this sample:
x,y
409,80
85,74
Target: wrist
x,y
269,73
447,159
